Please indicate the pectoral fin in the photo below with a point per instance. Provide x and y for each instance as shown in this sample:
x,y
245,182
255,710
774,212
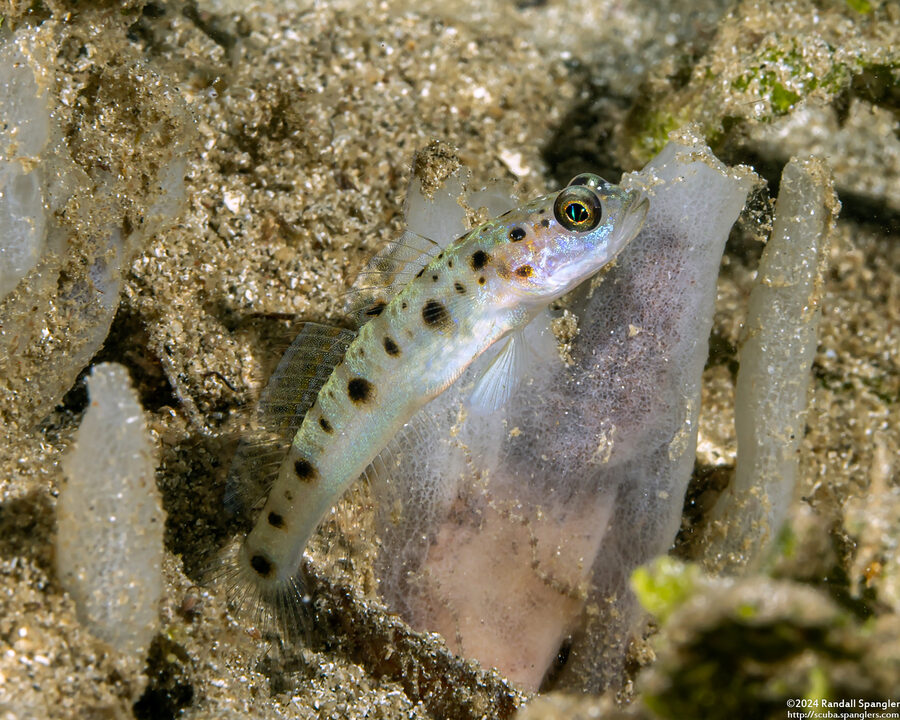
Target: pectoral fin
x,y
501,377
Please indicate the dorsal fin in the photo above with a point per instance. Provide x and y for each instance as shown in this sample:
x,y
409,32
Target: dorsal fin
x,y
301,373
497,198
432,224
387,273
292,389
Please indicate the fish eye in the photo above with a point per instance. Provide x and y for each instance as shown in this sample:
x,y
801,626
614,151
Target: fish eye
x,y
578,208
589,179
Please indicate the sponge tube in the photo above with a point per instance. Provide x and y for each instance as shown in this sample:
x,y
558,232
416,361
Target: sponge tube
x,y
775,360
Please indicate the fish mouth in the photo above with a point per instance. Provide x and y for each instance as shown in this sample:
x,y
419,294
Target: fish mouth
x,y
633,217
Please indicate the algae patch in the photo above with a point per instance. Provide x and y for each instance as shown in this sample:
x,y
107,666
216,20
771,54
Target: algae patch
x,y
763,64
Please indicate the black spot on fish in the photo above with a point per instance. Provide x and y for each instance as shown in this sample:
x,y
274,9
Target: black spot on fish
x,y
360,390
403,306
390,347
376,309
289,496
481,280
325,425
450,264
440,255
419,274
275,520
545,222
460,288
516,234
479,259
525,271
434,277
261,564
305,470
435,314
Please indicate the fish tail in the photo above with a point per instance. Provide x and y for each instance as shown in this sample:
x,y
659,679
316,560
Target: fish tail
x,y
280,606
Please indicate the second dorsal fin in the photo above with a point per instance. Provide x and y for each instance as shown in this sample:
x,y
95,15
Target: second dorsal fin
x,y
387,273
291,390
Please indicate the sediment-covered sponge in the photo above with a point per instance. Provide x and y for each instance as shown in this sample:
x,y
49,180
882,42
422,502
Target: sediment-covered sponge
x,y
110,518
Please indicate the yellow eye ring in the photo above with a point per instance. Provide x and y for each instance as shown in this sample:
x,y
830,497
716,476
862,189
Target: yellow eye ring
x,y
577,213
578,208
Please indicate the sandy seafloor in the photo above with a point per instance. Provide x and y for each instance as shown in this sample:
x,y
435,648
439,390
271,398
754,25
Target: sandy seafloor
x,y
301,122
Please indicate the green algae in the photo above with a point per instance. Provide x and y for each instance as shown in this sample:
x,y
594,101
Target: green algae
x,y
861,6
659,124
783,94
819,687
665,584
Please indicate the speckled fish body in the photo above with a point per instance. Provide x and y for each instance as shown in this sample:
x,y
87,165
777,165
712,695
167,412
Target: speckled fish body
x,y
483,287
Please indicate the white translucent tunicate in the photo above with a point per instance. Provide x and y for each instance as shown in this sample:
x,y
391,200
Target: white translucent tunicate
x,y
24,132
110,519
510,531
775,360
